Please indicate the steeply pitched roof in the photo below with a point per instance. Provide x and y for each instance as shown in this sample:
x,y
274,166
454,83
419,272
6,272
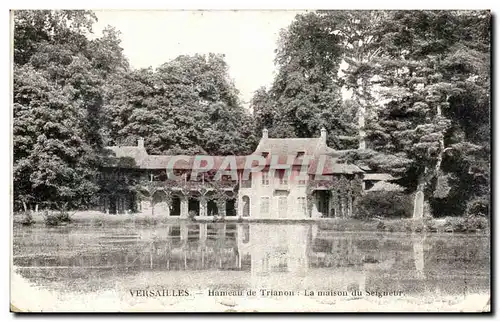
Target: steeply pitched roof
x,y
281,151
131,156
364,167
187,162
156,162
178,162
291,146
330,165
379,177
386,186
134,152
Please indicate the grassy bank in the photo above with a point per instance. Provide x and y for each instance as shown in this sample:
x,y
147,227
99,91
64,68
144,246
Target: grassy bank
x,y
96,218
442,225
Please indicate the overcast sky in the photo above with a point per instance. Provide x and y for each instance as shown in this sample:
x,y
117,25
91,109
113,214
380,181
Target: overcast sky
x,y
247,38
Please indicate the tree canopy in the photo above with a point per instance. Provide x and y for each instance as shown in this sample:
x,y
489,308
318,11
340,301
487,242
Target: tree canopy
x,y
75,94
186,106
419,106
306,92
404,92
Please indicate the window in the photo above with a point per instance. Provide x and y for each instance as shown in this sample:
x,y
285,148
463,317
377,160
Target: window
x,y
302,204
282,207
300,154
246,206
246,183
300,177
265,178
264,205
282,176
265,154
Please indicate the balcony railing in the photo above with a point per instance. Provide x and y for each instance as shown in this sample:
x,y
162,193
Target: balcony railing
x,y
195,185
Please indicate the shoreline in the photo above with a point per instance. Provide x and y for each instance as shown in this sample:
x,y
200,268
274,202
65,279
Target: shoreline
x,y
95,218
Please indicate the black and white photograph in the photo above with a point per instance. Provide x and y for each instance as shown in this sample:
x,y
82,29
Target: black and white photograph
x,y
250,161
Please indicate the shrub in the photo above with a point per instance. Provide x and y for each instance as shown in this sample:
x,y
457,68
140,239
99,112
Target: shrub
x,y
381,225
98,222
430,225
470,223
56,218
27,218
418,227
64,216
479,206
148,220
192,215
387,204
475,222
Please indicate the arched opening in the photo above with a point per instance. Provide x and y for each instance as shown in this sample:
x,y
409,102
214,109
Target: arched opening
x,y
246,206
230,211
112,205
323,202
160,204
175,208
212,208
194,206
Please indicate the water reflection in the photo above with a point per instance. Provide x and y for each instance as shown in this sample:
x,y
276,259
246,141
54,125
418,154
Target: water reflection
x,y
277,256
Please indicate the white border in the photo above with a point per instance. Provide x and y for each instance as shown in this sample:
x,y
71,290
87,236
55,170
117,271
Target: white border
x,y
5,136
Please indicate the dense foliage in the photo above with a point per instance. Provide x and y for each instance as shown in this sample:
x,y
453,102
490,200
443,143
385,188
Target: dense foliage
x,y
186,106
306,93
434,79
385,204
420,96
57,102
419,103
75,94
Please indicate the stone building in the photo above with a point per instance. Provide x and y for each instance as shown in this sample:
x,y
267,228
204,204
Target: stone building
x,y
301,178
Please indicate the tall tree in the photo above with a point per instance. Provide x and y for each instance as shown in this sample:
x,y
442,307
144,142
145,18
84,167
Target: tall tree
x,y
188,105
52,161
306,93
359,31
59,76
35,27
430,62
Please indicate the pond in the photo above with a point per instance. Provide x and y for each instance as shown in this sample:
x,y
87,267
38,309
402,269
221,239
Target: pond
x,y
271,259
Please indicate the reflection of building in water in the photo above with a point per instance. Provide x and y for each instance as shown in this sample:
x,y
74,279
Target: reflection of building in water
x,y
197,247
278,254
294,256
288,257
275,249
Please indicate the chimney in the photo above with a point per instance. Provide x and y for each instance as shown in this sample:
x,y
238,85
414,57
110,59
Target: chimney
x,y
323,135
140,143
265,134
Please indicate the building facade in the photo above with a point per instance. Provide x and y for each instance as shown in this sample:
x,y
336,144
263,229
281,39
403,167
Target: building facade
x,y
300,178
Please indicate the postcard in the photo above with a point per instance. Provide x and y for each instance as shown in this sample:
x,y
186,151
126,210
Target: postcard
x,y
251,161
